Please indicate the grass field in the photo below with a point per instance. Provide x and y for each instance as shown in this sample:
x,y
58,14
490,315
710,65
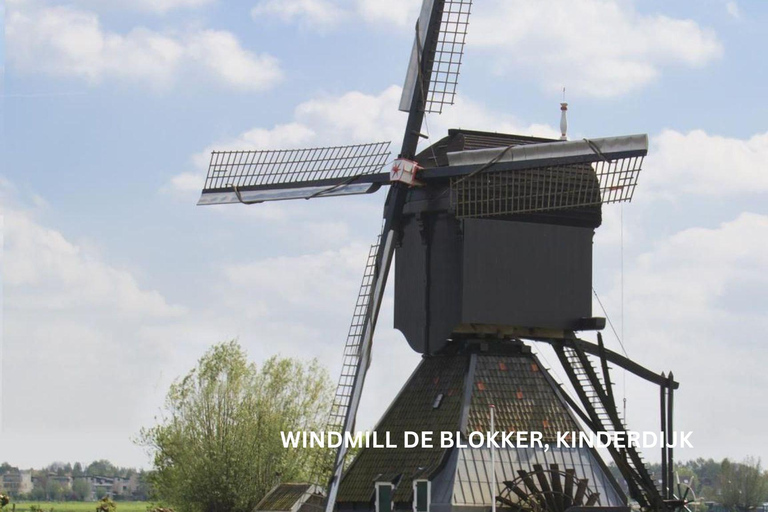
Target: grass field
x,y
76,506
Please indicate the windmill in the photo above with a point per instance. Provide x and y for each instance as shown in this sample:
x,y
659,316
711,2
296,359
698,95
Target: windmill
x,y
493,237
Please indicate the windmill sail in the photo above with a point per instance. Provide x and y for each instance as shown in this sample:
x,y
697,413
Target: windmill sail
x,y
545,177
274,175
442,61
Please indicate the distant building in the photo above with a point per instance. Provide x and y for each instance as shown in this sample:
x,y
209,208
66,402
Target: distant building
x,y
64,481
17,482
101,486
112,485
125,486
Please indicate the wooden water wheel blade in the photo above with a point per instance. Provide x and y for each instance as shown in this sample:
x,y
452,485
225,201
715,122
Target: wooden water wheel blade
x,y
557,487
529,483
531,486
570,476
505,501
593,499
518,492
581,489
510,504
541,476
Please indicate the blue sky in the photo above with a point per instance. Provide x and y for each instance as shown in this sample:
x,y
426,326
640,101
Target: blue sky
x,y
114,282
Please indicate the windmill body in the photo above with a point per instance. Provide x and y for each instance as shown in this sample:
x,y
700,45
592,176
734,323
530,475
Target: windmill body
x,y
491,235
467,266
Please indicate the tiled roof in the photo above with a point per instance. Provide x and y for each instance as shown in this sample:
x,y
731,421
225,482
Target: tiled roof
x,y
521,395
412,410
525,399
283,497
464,140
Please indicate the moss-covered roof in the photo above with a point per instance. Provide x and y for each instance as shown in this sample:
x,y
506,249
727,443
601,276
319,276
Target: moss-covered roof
x,y
283,497
413,410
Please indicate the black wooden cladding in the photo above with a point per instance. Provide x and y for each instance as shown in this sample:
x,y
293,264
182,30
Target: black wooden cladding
x,y
451,273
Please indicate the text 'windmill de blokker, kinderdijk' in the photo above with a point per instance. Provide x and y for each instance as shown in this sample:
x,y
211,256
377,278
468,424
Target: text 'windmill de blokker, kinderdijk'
x,y
493,236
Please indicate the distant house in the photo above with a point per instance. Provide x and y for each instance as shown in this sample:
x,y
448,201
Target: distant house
x,y
101,486
125,485
16,482
112,485
65,481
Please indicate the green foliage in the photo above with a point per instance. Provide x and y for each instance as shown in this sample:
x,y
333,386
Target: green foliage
x,y
53,490
219,447
738,487
81,488
742,486
38,493
77,506
159,508
106,505
103,468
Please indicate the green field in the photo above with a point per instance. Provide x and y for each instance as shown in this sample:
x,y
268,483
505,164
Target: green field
x,y
76,506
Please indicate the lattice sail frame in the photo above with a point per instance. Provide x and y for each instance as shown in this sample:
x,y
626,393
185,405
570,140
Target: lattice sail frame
x,y
446,61
279,167
539,189
548,176
273,175
448,56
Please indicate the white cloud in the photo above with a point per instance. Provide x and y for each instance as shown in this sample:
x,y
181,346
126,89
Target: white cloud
x,y
401,13
592,47
712,165
733,10
70,42
91,350
690,273
75,340
326,14
151,6
694,302
318,14
163,6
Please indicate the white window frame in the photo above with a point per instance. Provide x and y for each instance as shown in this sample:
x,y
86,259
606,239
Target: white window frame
x,y
391,493
415,494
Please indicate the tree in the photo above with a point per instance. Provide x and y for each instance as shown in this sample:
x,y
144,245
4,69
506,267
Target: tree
x,y
77,470
53,490
742,486
101,468
219,448
81,488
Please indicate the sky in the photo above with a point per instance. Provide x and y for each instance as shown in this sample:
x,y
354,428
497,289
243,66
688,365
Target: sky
x,y
114,283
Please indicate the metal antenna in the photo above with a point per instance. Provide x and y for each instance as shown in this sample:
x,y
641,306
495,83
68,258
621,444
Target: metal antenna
x,y
563,118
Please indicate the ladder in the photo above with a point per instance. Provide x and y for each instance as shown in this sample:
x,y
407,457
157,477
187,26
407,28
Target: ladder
x,y
597,397
350,359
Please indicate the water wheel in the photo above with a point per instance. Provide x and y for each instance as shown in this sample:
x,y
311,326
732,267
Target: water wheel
x,y
547,490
